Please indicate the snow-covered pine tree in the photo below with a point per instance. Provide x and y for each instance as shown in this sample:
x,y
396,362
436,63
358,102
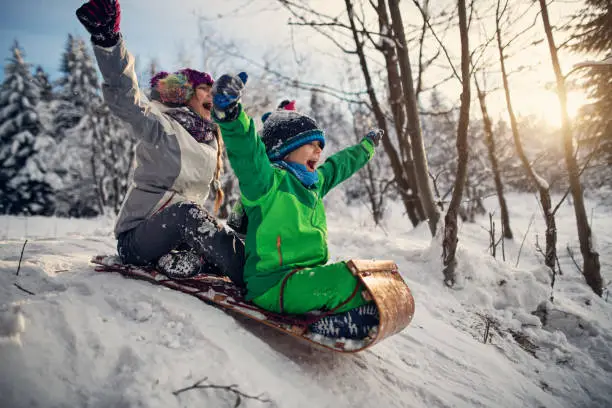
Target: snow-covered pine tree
x,y
592,36
46,89
22,175
96,148
71,97
113,153
75,93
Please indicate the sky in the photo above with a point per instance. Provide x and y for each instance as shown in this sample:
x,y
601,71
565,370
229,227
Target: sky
x,y
91,339
168,32
152,29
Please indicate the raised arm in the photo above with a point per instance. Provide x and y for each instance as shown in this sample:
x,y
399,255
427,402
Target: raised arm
x,y
120,88
245,150
247,155
347,162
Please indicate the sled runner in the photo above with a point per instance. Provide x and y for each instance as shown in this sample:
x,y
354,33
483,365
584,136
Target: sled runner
x,y
381,278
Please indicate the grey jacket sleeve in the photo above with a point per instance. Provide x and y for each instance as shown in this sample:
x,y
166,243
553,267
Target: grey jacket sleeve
x,y
124,98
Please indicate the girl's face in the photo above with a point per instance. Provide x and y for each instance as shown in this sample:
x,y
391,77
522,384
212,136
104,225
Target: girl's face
x,y
308,155
201,101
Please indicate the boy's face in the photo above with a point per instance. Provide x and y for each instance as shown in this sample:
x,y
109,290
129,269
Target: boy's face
x,y
308,155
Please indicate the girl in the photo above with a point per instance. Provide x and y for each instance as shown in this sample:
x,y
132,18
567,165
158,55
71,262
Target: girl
x,y
178,155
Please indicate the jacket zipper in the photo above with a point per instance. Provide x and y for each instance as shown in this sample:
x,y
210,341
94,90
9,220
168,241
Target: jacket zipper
x,y
280,254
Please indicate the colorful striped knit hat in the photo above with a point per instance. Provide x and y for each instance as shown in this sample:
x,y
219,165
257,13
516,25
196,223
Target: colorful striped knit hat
x,y
178,87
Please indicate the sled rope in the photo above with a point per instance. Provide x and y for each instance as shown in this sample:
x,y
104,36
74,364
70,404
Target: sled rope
x,y
281,296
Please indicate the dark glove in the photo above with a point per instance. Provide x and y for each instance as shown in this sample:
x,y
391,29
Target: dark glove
x,y
101,18
374,136
227,92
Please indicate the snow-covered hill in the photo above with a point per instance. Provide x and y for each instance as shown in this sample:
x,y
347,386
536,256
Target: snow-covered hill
x,y
88,339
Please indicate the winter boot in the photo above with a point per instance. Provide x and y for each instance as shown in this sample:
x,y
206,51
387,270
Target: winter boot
x,y
353,324
180,264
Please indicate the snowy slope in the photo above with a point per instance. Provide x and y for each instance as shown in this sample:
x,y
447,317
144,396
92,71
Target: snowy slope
x,y
86,339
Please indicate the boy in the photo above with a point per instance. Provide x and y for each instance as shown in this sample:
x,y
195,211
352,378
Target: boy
x,y
282,191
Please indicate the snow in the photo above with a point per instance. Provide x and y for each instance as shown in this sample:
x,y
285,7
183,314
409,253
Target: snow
x,y
100,340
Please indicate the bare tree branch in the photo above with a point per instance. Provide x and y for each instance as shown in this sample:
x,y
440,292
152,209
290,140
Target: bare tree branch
x,y
326,89
571,255
229,388
518,257
22,288
21,257
433,32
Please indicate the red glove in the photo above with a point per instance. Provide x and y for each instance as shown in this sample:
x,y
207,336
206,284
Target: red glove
x,y
101,18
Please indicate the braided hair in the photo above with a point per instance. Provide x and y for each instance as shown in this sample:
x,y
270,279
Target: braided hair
x,y
217,180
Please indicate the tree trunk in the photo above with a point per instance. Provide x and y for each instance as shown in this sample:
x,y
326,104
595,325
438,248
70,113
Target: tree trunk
x,y
449,244
414,125
373,194
490,142
591,266
396,163
409,181
540,184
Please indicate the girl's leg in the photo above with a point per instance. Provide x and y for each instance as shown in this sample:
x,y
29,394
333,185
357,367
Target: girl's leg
x,y
179,226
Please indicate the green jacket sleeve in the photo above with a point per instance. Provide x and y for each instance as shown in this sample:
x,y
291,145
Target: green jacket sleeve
x,y
247,155
344,164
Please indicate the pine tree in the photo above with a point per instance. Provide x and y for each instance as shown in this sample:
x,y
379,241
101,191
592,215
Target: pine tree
x,y
112,155
97,144
593,34
22,174
42,79
78,87
78,196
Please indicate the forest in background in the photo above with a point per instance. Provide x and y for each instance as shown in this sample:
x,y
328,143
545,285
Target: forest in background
x,y
63,153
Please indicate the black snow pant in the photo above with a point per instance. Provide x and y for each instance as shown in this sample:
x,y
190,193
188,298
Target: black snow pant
x,y
185,226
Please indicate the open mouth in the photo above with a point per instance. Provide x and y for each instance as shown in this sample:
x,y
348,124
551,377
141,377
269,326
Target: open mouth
x,y
207,105
311,164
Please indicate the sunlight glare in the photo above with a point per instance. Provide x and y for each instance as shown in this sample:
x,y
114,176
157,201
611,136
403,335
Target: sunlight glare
x,y
544,104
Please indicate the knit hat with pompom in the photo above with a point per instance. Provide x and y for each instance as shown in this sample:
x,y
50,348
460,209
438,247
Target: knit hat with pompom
x,y
178,87
285,130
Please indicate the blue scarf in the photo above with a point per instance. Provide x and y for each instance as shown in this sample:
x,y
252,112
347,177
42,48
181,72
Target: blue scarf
x,y
308,178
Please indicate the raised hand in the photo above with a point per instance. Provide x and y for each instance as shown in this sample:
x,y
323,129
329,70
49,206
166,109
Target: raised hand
x,y
227,92
102,19
374,136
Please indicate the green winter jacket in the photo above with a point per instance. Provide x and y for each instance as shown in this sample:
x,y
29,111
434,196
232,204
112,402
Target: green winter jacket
x,y
287,227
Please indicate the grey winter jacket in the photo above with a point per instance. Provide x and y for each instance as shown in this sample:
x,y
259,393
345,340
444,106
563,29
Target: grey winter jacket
x,y
170,165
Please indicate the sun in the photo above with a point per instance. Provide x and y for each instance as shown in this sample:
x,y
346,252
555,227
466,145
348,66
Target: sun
x,y
544,104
